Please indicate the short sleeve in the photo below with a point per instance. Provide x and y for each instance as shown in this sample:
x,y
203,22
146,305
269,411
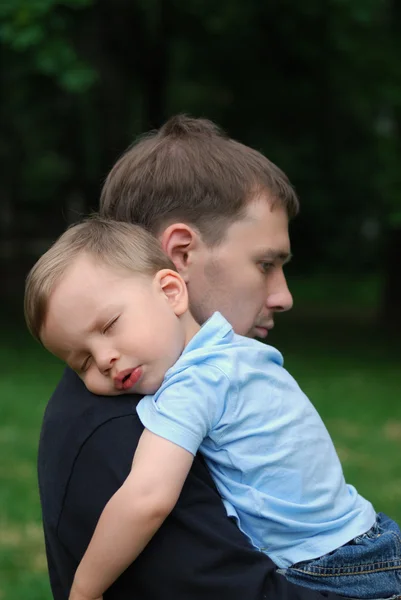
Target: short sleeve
x,y
188,406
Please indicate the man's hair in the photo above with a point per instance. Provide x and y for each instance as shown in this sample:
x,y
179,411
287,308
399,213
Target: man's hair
x,y
190,171
121,246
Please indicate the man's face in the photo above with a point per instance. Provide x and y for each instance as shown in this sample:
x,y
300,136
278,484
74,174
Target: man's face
x,y
243,277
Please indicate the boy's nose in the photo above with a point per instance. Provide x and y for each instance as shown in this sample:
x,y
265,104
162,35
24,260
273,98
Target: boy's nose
x,y
105,362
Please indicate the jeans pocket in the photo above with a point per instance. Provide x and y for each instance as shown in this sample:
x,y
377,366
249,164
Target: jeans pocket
x,y
373,533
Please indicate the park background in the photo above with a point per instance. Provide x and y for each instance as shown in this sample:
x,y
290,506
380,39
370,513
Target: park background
x,y
316,86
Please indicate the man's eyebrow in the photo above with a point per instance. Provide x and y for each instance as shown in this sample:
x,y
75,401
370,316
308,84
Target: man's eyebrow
x,y
271,254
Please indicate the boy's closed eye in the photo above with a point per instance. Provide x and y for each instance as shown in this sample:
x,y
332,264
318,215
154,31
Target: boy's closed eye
x,y
109,326
85,365
88,359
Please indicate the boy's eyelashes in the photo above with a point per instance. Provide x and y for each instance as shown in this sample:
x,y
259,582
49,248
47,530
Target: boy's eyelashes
x,y
105,329
85,364
110,324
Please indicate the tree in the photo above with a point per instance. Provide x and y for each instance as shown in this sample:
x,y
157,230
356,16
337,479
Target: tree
x,y
315,85
390,312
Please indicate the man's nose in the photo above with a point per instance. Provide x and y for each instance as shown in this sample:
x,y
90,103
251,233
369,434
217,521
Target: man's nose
x,y
279,297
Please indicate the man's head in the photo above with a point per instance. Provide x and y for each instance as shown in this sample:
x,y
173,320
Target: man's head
x,y
107,300
220,210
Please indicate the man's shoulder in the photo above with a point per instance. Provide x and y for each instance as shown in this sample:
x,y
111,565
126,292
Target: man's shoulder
x,y
73,415
71,403
236,358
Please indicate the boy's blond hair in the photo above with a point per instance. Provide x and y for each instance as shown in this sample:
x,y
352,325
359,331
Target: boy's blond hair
x,y
119,245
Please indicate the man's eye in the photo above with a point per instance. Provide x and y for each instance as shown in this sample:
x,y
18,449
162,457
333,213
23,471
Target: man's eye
x,y
110,325
265,266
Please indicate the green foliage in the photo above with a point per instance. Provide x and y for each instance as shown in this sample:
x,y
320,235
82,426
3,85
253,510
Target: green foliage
x,y
38,30
315,85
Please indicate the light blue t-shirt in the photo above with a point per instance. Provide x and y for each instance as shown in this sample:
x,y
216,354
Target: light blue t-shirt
x,y
266,447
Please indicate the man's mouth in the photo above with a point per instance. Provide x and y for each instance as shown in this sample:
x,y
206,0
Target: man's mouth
x,y
126,379
263,331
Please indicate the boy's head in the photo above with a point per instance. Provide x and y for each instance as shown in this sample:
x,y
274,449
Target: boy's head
x,y
220,210
108,301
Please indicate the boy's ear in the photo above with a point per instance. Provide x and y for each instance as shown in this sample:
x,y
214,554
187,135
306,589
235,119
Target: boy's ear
x,y
179,241
172,285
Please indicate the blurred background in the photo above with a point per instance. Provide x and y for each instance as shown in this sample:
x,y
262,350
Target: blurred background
x,y
314,85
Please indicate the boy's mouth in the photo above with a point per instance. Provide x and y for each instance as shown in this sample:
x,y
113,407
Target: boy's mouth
x,y
126,379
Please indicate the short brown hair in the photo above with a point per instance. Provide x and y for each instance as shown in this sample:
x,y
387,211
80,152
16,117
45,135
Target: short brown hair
x,y
190,171
122,246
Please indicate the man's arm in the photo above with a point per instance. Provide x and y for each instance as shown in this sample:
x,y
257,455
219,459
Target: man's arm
x,y
133,515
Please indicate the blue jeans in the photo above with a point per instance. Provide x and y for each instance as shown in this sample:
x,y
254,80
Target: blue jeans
x,y
368,567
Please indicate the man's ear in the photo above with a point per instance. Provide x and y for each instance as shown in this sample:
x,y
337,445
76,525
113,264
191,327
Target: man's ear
x,y
172,285
178,242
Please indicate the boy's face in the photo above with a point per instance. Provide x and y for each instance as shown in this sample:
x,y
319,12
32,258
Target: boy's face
x,y
119,331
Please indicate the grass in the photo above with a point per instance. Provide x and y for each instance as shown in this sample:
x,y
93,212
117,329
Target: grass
x,y
27,382
347,366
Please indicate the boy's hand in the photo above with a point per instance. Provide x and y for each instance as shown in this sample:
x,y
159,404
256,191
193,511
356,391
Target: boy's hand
x,y
76,594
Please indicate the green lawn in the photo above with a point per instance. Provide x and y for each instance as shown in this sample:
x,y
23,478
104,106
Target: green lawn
x,y
348,367
27,379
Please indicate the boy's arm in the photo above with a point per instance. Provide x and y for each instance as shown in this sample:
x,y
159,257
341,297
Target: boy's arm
x,y
133,515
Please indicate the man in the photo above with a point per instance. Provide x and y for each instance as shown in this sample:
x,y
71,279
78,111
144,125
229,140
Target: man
x,y
221,212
